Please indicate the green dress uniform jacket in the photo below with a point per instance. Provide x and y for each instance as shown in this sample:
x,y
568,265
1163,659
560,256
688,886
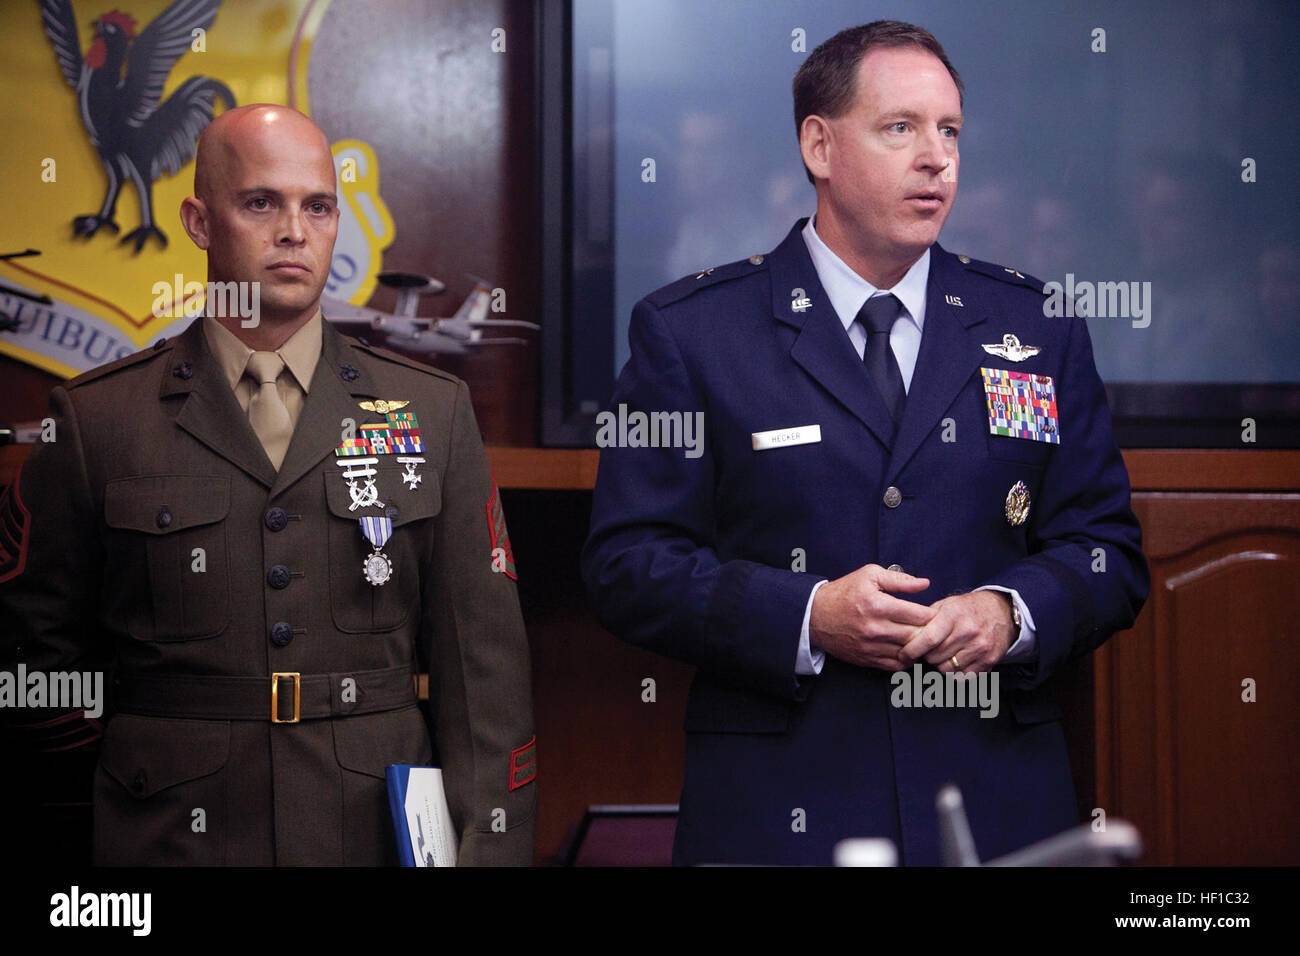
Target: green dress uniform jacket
x,y
154,531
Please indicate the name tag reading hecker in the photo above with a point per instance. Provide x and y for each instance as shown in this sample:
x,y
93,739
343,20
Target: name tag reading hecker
x,y
1021,405
800,435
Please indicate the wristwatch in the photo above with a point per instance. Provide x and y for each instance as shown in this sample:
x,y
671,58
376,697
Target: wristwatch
x,y
1016,621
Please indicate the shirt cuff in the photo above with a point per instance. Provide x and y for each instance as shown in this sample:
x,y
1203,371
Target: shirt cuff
x,y
808,661
1025,646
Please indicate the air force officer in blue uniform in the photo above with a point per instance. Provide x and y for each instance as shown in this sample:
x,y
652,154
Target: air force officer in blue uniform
x,y
907,468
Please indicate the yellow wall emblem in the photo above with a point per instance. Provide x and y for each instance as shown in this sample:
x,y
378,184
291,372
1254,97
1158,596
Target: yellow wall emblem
x,y
95,183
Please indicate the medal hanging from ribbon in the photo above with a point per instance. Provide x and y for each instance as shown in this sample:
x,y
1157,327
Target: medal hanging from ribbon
x,y
398,434
377,567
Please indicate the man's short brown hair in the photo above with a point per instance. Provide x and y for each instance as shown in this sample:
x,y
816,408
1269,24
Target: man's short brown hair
x,y
826,84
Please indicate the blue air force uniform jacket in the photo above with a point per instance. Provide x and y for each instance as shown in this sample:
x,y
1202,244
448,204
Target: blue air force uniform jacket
x,y
692,557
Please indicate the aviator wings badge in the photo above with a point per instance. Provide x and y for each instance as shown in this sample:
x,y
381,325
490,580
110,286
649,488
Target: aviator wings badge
x,y
383,407
1012,350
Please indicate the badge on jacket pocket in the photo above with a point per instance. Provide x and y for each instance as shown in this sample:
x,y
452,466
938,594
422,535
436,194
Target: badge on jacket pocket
x,y
1021,405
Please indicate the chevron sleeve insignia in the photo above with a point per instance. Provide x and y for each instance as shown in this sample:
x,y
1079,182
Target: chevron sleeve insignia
x,y
503,558
15,529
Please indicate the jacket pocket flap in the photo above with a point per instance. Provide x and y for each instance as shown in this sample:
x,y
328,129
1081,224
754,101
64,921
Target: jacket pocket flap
x,y
1023,451
162,504
368,743
424,501
149,754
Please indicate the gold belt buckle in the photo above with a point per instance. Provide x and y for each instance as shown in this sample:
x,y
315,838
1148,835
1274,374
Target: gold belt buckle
x,y
275,696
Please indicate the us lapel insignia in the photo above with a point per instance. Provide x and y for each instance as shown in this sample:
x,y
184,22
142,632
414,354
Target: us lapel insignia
x,y
1011,349
1017,506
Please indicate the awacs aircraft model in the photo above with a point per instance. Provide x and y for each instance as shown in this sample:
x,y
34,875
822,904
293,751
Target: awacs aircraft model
x,y
405,330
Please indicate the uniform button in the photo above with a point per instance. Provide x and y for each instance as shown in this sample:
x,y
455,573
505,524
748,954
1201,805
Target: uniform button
x,y
164,517
893,497
391,512
141,781
281,634
278,577
276,519
894,567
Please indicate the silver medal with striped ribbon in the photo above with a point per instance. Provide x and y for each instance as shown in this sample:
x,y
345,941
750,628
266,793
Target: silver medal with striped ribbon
x,y
377,567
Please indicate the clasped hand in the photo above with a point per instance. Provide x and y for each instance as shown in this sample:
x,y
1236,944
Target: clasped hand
x,y
859,620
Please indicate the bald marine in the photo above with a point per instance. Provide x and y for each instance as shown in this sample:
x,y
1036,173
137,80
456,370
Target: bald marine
x,y
265,210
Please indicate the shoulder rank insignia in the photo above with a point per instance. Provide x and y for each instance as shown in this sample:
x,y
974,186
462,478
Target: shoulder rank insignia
x,y
383,407
1012,350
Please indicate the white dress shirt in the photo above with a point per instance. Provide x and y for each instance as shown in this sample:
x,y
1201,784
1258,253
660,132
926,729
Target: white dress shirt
x,y
848,293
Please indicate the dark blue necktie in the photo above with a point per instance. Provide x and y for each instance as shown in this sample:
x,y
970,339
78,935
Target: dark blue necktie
x,y
877,316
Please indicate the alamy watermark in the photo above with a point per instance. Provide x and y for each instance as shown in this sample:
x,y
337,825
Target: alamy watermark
x,y
651,430
75,908
935,689
65,690
180,299
1099,300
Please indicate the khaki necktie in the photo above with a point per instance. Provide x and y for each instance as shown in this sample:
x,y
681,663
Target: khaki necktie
x,y
266,410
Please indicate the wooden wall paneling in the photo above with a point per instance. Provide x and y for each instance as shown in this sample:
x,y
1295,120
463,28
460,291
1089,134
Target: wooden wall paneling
x,y
1208,778
1196,469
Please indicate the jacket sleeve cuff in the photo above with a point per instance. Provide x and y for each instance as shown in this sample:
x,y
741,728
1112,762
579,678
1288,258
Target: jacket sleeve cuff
x,y
760,611
809,660
1062,608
